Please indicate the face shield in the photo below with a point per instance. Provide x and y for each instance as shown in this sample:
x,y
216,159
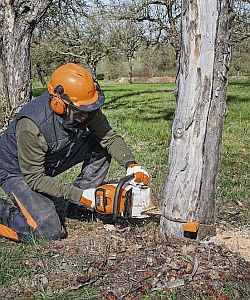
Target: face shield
x,y
77,117
77,114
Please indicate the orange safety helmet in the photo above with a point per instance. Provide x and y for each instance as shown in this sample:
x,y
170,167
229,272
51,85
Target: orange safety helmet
x,y
78,85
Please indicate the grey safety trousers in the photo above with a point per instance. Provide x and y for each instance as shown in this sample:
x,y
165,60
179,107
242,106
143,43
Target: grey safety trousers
x,y
32,214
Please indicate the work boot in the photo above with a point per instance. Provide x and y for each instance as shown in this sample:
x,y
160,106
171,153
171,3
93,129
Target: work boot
x,y
12,218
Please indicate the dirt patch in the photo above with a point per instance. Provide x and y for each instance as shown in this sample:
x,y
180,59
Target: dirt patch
x,y
129,261
165,79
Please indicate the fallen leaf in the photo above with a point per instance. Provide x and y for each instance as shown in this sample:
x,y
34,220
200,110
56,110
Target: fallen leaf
x,y
223,297
223,275
65,283
146,287
40,250
149,273
83,279
57,246
189,268
29,295
73,250
96,263
111,296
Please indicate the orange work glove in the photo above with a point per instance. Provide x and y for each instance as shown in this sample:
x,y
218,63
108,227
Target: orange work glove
x,y
88,198
141,175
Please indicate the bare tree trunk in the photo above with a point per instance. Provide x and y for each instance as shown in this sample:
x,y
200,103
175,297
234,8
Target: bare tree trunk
x,y
189,207
93,67
130,69
1,74
40,75
18,24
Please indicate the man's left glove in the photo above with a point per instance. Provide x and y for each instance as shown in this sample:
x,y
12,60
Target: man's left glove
x,y
141,175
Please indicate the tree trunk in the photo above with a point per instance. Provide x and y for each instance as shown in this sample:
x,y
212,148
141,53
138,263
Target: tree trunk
x,y
130,70
40,75
18,25
189,207
1,74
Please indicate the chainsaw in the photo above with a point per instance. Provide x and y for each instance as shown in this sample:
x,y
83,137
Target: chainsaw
x,y
121,200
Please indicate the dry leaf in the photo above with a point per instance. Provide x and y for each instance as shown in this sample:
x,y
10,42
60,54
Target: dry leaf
x,y
40,250
65,283
29,295
111,296
149,273
223,297
189,268
73,250
57,246
146,287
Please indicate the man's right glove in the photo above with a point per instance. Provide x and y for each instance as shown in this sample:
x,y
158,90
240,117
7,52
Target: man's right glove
x,y
101,199
88,198
141,175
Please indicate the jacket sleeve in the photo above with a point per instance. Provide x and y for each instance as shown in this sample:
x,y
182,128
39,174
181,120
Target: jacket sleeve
x,y
110,139
32,149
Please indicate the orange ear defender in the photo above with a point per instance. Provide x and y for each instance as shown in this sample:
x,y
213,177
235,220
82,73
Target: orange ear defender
x,y
58,105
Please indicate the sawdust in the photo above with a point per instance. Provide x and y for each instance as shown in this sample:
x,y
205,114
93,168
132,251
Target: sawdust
x,y
235,240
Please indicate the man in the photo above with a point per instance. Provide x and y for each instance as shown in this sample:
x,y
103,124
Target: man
x,y
59,129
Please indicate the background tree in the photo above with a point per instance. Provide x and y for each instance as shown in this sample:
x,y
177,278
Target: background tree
x,y
159,59
195,149
19,19
129,37
83,37
241,37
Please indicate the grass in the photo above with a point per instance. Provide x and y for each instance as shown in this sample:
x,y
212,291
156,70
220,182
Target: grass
x,y
143,114
234,178
11,270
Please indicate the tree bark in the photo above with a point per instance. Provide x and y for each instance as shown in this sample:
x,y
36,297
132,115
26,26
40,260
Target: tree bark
x,y
1,73
195,149
130,70
18,24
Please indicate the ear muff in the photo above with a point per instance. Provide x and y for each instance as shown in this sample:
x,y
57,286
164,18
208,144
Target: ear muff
x,y
58,105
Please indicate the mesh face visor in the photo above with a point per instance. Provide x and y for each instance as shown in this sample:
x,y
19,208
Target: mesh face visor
x,y
77,118
77,114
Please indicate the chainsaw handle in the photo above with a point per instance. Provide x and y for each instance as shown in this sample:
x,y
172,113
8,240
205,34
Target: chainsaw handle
x,y
117,193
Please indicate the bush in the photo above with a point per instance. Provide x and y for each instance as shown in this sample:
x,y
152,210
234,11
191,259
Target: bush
x,y
100,76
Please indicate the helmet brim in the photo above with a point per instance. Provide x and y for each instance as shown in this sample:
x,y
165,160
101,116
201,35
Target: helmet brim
x,y
96,105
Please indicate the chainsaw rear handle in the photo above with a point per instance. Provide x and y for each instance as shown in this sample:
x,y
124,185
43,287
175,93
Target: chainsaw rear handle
x,y
118,192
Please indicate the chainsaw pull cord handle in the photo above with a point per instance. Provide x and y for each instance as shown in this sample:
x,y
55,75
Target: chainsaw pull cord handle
x,y
118,192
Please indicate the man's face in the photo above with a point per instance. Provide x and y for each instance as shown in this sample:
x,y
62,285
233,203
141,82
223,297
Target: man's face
x,y
77,114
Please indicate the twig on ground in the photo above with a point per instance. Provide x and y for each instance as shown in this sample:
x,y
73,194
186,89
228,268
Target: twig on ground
x,y
178,282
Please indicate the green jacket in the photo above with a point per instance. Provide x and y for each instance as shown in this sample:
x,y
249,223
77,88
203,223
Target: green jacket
x,y
32,148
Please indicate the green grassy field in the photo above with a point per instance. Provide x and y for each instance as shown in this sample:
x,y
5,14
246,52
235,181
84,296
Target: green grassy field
x,y
234,179
143,114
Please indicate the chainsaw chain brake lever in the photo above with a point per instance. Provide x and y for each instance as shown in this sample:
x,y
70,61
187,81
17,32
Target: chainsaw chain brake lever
x,y
117,194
